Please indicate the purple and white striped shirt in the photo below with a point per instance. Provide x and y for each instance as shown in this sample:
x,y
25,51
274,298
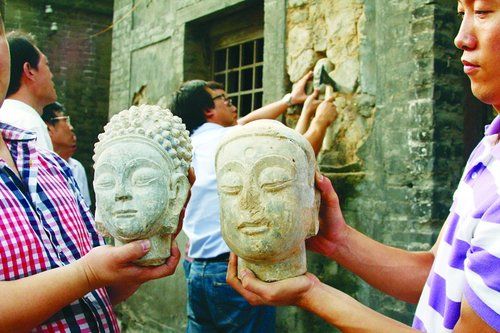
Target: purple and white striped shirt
x,y
467,263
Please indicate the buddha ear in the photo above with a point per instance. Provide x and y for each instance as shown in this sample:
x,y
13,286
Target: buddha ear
x,y
314,227
178,191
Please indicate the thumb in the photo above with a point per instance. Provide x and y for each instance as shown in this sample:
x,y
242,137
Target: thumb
x,y
315,93
329,197
251,283
132,251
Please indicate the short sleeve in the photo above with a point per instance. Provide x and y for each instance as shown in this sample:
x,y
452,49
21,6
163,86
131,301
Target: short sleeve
x,y
482,267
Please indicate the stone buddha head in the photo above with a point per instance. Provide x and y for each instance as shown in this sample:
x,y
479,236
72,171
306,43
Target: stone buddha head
x,y
141,166
269,205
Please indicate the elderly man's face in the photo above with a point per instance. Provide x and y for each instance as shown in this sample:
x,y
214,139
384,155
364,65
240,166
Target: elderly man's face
x,y
4,63
479,38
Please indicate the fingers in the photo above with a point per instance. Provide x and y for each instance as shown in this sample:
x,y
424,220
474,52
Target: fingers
x,y
305,78
167,269
315,93
191,176
325,187
235,283
252,284
131,251
232,269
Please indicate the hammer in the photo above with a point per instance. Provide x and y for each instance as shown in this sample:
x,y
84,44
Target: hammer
x,y
321,78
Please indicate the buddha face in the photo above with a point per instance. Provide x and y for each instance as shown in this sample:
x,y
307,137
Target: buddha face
x,y
132,182
266,195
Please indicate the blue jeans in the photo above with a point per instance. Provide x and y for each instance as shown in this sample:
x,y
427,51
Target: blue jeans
x,y
213,306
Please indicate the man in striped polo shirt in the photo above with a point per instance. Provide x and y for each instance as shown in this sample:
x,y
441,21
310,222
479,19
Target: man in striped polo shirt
x,y
54,274
457,282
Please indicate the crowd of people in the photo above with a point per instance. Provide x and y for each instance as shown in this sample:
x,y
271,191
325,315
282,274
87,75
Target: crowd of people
x,y
57,274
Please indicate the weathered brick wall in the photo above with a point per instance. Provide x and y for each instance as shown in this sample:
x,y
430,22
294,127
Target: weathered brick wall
x,y
80,63
396,154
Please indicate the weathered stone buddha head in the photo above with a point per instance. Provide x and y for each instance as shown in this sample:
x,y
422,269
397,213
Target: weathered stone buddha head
x,y
141,165
269,206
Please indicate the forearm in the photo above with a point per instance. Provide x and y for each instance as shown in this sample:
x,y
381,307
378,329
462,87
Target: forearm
x,y
28,302
315,134
396,272
270,111
347,314
303,122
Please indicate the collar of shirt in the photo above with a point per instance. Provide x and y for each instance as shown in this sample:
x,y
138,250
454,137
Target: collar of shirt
x,y
206,127
11,133
20,107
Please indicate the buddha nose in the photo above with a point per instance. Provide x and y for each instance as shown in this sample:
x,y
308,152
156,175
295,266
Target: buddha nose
x,y
249,196
122,193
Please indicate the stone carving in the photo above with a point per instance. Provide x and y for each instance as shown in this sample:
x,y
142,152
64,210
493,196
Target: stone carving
x,y
141,165
269,205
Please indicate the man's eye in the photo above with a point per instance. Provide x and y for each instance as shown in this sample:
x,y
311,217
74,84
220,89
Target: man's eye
x,y
461,15
481,13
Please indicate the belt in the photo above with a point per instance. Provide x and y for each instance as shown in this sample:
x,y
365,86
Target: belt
x,y
220,258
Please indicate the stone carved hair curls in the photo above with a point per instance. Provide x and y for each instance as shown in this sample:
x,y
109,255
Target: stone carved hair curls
x,y
155,125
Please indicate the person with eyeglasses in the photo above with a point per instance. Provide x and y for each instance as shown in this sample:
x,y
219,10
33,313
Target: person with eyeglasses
x,y
63,140
208,114
56,273
30,88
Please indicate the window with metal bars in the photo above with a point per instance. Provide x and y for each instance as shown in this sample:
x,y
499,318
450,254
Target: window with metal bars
x,y
239,67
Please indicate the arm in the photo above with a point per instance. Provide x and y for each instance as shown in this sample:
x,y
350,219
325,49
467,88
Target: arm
x,y
470,322
396,272
307,292
325,116
28,302
310,106
273,110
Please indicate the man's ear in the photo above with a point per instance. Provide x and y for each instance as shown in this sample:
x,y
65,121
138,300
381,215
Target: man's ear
x,y
209,113
50,128
28,71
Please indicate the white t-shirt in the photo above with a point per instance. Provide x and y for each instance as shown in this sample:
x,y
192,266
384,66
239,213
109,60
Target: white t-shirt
x,y
23,116
202,219
81,179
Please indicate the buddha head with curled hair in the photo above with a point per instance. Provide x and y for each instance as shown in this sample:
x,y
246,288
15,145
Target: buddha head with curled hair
x,y
141,166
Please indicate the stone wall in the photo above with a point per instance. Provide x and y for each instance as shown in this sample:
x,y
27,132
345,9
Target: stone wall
x,y
79,59
396,151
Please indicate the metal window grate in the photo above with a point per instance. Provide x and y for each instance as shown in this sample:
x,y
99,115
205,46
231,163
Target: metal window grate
x,y
239,67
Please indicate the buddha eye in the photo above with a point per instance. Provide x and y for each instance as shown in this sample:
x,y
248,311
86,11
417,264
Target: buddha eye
x,y
105,182
274,179
230,183
145,176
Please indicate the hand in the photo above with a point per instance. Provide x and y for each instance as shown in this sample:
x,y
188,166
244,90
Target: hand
x,y
311,104
332,226
191,179
299,89
326,112
291,291
113,266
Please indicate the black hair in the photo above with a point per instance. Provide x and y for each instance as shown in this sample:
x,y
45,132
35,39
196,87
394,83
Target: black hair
x,y
189,103
49,112
22,50
2,29
215,85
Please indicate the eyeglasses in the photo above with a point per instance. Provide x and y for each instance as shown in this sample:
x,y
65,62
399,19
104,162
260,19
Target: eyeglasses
x,y
228,101
65,118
